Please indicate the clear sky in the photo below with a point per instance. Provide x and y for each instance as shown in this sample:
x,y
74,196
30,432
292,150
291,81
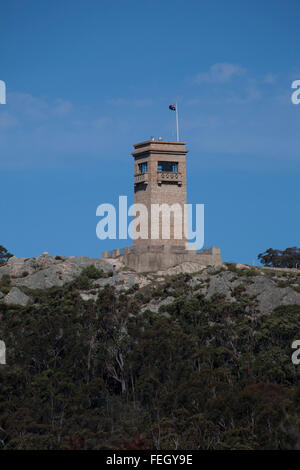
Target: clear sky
x,y
87,79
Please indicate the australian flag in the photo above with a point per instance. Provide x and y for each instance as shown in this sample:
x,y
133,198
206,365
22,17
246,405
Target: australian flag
x,y
172,107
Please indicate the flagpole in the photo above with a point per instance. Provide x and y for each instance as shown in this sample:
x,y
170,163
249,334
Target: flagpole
x,y
177,127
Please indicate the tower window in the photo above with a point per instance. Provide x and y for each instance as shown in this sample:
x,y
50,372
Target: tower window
x,y
143,167
168,166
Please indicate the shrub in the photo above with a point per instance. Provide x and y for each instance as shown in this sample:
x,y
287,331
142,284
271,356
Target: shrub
x,y
5,290
5,281
91,272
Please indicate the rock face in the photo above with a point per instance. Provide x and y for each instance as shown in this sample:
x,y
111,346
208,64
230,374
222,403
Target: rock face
x,y
45,271
268,291
18,267
123,281
16,297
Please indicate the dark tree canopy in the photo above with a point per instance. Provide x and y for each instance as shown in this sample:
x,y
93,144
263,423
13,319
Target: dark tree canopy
x,y
4,255
198,374
288,258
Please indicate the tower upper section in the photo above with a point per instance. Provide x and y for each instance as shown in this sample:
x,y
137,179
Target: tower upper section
x,y
159,161
160,146
160,178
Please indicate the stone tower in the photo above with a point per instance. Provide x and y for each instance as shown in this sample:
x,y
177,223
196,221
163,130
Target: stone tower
x,y
160,178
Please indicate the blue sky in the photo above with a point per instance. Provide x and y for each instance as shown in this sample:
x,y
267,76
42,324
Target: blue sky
x,y
87,79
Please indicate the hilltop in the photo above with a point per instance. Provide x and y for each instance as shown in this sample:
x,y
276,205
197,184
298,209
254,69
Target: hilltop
x,y
267,288
99,356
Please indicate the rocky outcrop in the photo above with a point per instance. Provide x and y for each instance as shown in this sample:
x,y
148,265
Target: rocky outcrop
x,y
187,267
21,267
264,288
267,288
154,306
45,272
86,296
124,281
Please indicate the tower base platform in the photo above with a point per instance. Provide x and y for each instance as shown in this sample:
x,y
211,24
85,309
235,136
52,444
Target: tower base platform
x,y
162,257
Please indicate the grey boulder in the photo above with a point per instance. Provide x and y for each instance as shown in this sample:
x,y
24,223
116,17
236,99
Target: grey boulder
x,y
16,297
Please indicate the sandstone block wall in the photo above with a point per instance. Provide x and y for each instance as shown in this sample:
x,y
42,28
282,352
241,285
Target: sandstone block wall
x,y
154,258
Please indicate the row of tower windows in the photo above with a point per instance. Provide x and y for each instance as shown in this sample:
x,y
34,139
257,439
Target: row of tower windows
x,y
161,166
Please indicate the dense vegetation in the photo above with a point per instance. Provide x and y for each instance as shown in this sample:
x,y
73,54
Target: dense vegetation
x,y
200,374
288,258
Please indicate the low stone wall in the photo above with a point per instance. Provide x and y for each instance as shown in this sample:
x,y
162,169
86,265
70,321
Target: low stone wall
x,y
156,258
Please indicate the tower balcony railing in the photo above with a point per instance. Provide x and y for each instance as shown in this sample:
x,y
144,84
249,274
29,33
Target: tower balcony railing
x,y
169,176
141,178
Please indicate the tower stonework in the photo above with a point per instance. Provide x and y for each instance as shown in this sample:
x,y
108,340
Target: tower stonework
x,y
160,178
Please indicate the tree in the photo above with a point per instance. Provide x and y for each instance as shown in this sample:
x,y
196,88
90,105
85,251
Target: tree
x,y
288,258
4,255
